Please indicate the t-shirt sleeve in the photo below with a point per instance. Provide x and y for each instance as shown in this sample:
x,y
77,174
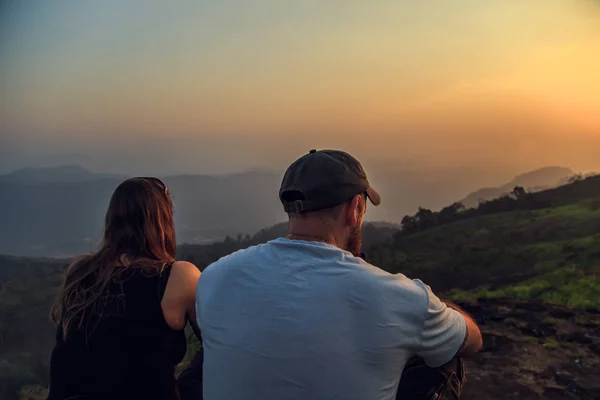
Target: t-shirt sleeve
x,y
443,333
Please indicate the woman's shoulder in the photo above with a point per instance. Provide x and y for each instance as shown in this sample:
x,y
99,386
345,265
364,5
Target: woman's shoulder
x,y
181,287
184,267
184,271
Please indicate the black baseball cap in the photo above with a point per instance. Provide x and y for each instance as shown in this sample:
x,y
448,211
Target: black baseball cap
x,y
324,179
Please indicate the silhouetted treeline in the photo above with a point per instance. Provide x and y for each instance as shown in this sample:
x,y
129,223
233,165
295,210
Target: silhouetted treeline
x,y
203,255
579,187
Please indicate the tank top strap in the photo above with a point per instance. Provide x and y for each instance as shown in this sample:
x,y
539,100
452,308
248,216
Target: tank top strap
x,y
163,280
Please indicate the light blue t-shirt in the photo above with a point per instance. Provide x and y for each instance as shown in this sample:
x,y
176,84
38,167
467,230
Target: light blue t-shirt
x,y
291,319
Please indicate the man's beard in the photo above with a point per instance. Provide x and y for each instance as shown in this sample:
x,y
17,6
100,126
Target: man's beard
x,y
354,244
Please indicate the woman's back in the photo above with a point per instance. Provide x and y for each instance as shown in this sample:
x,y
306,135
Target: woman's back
x,y
128,351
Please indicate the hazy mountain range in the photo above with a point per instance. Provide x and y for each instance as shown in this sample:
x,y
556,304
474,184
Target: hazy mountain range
x,y
59,211
534,181
60,174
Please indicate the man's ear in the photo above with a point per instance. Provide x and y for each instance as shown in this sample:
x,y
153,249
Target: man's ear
x,y
352,211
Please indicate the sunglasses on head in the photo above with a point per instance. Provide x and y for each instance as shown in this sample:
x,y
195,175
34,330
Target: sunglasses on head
x,y
157,182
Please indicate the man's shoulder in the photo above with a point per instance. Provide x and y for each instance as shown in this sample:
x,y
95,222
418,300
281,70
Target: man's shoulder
x,y
237,259
390,283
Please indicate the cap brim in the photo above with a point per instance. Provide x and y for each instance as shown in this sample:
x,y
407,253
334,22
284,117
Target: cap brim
x,y
373,196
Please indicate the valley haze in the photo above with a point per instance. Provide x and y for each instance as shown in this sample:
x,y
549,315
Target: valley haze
x,y
59,211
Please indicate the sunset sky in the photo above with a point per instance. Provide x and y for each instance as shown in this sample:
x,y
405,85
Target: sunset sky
x,y
221,86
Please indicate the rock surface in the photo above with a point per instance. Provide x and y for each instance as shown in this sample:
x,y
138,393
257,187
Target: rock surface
x,y
534,351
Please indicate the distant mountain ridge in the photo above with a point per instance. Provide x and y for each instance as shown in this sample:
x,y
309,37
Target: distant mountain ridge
x,y
59,174
533,181
59,211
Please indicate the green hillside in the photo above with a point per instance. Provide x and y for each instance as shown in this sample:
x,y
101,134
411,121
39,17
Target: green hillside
x,y
547,253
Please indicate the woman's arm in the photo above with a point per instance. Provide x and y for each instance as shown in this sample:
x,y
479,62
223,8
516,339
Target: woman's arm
x,y
179,301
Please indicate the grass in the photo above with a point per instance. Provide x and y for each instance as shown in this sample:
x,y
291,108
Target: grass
x,y
550,255
550,321
551,343
587,322
567,286
516,322
530,339
583,210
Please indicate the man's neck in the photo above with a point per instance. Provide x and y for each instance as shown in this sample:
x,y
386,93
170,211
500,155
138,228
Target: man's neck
x,y
315,230
329,239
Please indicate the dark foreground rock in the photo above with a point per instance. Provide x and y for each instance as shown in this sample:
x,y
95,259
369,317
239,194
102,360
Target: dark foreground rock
x,y
534,351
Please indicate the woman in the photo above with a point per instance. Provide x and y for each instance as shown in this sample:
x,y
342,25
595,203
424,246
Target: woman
x,y
121,311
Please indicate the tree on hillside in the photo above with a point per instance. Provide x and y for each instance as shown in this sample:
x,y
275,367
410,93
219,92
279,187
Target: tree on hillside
x,y
426,218
409,224
519,192
448,214
576,178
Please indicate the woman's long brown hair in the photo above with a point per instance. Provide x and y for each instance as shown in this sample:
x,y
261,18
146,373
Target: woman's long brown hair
x,y
138,225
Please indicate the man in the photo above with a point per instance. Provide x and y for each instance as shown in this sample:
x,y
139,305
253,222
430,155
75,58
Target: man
x,y
304,317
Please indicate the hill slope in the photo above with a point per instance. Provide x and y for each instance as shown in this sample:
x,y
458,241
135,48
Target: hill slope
x,y
493,251
61,174
551,236
540,179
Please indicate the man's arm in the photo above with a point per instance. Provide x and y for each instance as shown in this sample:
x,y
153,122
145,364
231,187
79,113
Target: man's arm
x,y
473,341
446,331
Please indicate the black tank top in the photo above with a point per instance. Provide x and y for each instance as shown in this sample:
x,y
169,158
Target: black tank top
x,y
131,353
